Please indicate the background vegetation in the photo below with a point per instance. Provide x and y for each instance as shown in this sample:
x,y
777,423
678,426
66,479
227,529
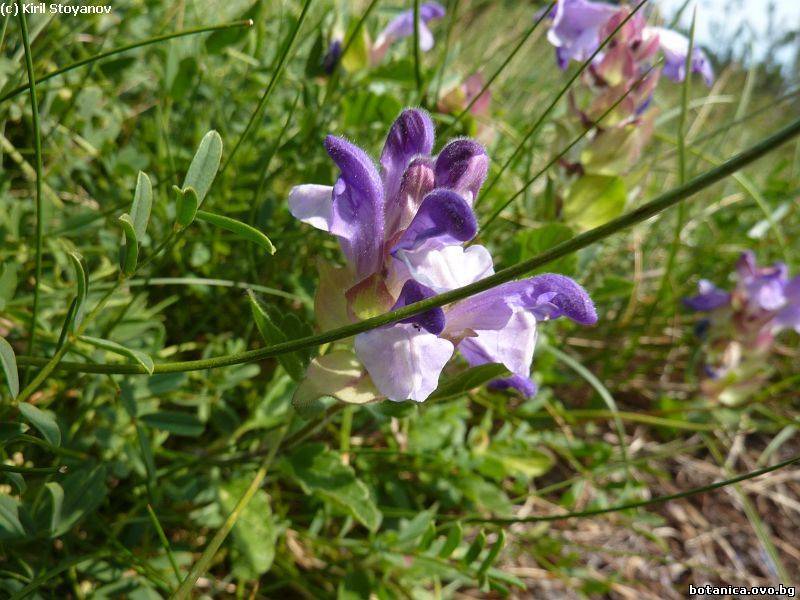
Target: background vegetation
x,y
119,485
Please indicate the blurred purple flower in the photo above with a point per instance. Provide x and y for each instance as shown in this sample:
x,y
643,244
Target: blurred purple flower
x,y
576,28
402,26
675,47
580,26
332,56
709,297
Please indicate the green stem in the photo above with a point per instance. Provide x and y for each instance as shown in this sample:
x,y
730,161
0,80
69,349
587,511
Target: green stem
x,y
681,216
502,67
37,148
638,504
276,73
535,127
415,41
569,147
644,212
164,541
154,40
31,470
201,566
588,376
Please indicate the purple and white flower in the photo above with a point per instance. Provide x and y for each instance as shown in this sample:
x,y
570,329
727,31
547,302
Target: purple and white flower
x,y
402,26
402,230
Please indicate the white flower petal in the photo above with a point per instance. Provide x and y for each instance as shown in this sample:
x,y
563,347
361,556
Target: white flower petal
x,y
449,267
403,361
311,203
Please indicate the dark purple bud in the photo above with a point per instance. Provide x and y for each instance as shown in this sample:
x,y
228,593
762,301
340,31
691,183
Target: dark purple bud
x,y
431,320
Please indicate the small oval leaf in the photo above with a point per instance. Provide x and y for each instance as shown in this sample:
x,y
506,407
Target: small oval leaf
x,y
204,166
243,230
83,286
129,251
43,421
186,207
142,203
9,360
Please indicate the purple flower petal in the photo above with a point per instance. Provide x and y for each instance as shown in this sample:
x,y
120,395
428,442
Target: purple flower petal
x,y
709,297
763,287
410,135
525,385
550,296
789,316
675,47
576,28
402,26
358,206
312,204
767,290
416,183
332,56
462,166
443,218
431,320
403,361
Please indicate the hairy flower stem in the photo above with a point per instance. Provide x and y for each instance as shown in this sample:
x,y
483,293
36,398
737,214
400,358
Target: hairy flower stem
x,y
644,212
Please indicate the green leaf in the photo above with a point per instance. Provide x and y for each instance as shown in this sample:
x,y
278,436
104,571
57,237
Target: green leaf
x,y
467,380
84,490
452,540
11,430
519,461
177,423
83,286
594,200
292,362
255,533
321,472
530,242
10,525
8,284
494,551
475,548
186,206
56,505
129,251
9,360
142,203
357,55
42,421
204,166
243,230
140,357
